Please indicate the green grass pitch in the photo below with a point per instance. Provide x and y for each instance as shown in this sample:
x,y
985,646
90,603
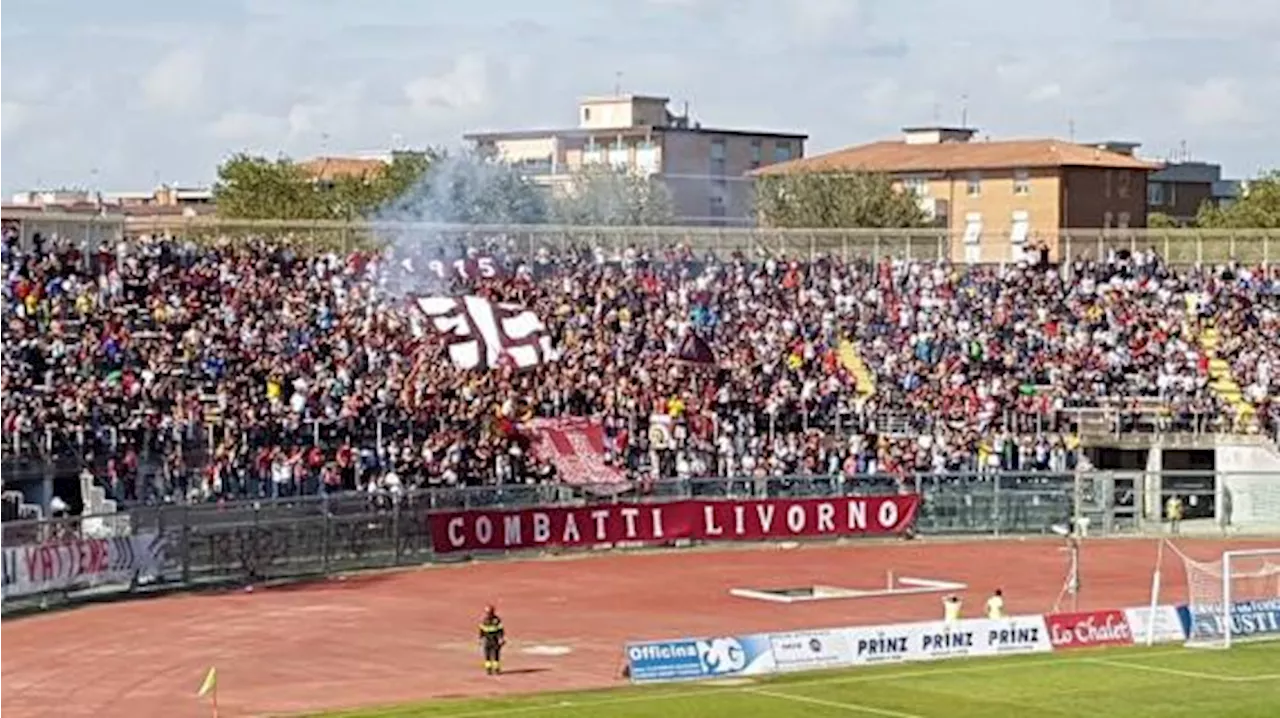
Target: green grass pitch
x,y
1167,682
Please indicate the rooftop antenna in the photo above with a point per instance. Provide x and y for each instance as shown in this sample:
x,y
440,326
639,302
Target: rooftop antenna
x,y
617,84
1071,129
964,111
1182,146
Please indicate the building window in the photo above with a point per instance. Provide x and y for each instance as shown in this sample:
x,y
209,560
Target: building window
x,y
1155,194
1020,228
1107,220
918,186
1122,189
717,158
1106,184
717,206
1021,182
586,114
973,228
781,151
755,154
974,187
1123,221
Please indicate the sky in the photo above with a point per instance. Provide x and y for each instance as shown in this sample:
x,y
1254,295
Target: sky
x,y
129,94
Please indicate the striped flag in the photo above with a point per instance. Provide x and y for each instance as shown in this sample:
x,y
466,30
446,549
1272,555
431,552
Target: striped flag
x,y
210,684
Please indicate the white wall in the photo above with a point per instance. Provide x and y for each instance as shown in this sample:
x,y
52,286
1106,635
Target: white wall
x,y
1250,483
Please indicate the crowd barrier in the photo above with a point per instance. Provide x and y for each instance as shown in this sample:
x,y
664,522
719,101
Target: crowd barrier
x,y
260,542
766,653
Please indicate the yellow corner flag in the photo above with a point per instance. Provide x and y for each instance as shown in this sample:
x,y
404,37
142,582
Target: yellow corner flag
x,y
210,684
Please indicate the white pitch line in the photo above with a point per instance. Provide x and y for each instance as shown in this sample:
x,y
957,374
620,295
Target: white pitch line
x,y
853,707
1164,671
980,665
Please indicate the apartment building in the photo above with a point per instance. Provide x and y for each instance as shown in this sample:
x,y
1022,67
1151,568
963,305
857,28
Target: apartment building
x,y
1181,188
1000,197
163,200
704,168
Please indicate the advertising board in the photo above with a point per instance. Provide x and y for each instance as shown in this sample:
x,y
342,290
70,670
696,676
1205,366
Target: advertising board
x,y
1088,629
1249,619
809,650
686,659
1162,625
692,658
933,640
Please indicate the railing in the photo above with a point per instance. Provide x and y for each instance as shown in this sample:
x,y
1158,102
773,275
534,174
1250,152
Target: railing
x,y
276,539
1139,423
1177,246
185,546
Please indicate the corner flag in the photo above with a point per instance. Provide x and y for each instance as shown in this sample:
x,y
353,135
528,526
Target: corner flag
x,y
210,688
210,684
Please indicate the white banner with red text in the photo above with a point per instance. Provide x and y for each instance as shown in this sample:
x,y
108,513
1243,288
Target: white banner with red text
x,y
77,563
661,523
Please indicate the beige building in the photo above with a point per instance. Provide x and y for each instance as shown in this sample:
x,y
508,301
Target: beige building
x,y
998,198
704,168
163,200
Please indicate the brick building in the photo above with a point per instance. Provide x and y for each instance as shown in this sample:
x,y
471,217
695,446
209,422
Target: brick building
x,y
999,197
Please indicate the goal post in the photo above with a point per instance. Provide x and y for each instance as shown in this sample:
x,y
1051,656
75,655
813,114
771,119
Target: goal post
x,y
1234,598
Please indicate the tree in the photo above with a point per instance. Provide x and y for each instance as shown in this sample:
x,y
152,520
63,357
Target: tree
x,y
600,195
835,199
257,188
1257,208
251,187
1160,220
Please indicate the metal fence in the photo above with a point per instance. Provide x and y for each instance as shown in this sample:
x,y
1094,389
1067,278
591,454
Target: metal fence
x,y
253,541
1178,246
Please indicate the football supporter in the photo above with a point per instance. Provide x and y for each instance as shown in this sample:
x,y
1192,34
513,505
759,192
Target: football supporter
x,y
176,371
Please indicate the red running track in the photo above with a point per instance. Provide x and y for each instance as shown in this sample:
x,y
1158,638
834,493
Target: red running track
x,y
407,636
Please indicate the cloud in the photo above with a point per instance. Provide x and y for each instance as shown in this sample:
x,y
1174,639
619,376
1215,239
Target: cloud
x,y
244,126
13,117
1045,92
277,76
464,86
1218,101
176,81
826,18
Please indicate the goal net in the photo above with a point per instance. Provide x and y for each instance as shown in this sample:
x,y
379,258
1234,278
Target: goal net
x,y
1236,598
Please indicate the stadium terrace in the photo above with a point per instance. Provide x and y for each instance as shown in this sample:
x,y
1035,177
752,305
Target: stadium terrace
x,y
162,371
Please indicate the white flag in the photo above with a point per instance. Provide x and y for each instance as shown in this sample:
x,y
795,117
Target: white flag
x,y
484,334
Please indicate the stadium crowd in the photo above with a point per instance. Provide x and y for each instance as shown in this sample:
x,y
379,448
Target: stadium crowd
x,y
171,371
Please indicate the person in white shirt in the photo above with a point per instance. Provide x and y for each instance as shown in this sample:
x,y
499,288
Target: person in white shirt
x,y
951,606
995,605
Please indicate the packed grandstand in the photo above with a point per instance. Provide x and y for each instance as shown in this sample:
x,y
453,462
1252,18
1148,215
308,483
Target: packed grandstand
x,y
167,370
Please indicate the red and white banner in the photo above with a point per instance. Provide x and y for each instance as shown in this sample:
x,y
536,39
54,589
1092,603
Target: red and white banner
x,y
576,446
660,523
1088,629
78,563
